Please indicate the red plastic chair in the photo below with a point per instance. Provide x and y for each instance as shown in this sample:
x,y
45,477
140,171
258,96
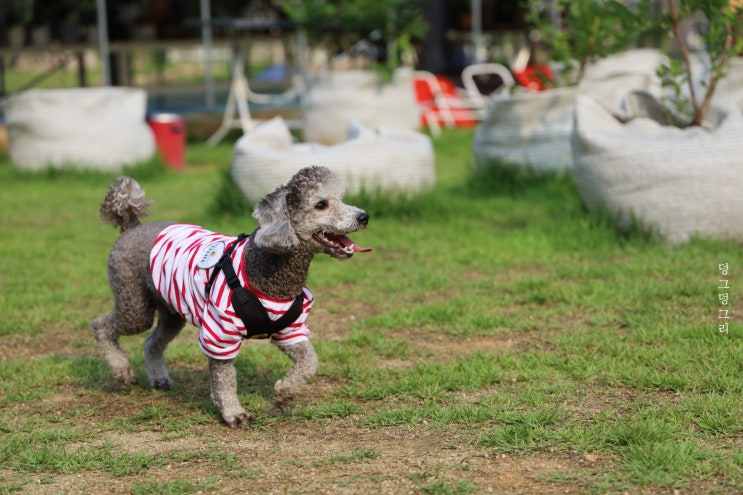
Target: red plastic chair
x,y
535,77
441,103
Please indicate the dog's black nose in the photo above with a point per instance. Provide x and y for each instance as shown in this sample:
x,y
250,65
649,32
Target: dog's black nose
x,y
362,218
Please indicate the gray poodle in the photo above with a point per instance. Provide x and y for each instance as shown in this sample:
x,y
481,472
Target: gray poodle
x,y
230,288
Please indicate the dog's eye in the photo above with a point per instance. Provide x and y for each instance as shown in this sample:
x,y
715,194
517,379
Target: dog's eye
x,y
321,205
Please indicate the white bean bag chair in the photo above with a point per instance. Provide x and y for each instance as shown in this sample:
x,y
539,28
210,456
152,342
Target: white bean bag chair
x,y
637,61
677,183
84,128
386,159
533,129
335,99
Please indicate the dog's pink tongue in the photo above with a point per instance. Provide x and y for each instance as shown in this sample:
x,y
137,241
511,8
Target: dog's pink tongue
x,y
346,241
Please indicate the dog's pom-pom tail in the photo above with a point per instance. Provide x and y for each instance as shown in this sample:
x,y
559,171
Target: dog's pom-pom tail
x,y
124,205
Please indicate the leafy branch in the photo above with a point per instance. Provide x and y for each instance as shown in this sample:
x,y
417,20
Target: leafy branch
x,y
723,38
589,29
340,24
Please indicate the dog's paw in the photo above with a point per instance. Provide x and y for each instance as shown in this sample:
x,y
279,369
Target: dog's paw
x,y
164,384
285,391
283,398
242,420
125,376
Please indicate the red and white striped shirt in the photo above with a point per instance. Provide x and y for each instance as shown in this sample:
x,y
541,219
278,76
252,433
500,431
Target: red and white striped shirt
x,y
174,266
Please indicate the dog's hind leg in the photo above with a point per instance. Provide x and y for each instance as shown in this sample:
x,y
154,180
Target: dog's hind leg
x,y
134,308
105,334
305,367
224,393
123,320
168,327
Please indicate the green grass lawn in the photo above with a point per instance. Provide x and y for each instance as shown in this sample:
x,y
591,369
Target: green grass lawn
x,y
495,318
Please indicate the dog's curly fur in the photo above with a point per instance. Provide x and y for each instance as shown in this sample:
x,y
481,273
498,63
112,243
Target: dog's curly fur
x,y
293,221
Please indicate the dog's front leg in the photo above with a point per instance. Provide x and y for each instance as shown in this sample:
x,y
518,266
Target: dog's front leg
x,y
305,367
224,393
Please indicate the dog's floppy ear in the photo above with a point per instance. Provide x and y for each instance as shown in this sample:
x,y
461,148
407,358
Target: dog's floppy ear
x,y
276,232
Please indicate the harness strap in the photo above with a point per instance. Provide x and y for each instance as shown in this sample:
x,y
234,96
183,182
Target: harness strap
x,y
218,266
246,304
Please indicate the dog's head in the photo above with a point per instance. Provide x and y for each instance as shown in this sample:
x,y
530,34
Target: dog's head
x,y
309,211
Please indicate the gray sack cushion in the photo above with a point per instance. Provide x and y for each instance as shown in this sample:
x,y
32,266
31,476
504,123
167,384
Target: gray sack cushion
x,y
676,182
84,128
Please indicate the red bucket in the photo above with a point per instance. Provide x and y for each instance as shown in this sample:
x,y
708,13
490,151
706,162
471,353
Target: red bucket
x,y
170,135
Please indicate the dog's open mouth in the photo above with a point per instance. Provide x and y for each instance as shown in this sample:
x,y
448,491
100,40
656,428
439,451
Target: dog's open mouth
x,y
340,243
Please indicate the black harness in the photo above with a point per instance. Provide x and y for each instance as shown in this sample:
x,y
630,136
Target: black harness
x,y
258,324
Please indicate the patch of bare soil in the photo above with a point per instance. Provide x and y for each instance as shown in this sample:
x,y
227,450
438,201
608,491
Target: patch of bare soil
x,y
334,316
62,337
335,456
309,458
36,346
338,456
303,458
446,346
